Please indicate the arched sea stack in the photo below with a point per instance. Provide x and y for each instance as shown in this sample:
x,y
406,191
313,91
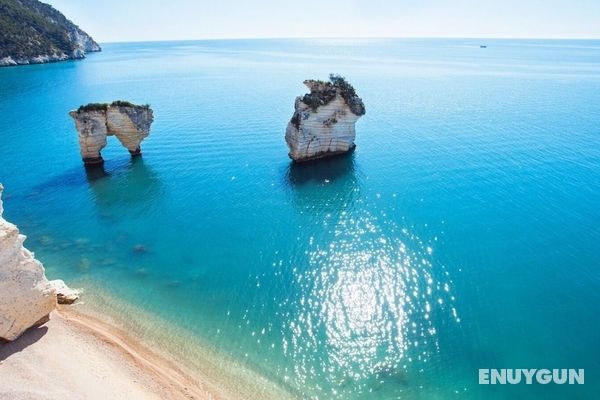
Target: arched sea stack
x,y
130,123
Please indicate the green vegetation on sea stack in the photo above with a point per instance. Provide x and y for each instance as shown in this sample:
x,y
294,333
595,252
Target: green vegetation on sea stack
x,y
34,32
328,90
104,106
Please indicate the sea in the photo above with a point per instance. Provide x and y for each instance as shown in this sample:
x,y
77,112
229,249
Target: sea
x,y
462,233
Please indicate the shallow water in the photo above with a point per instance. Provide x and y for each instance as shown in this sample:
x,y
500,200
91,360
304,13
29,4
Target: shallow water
x,y
461,234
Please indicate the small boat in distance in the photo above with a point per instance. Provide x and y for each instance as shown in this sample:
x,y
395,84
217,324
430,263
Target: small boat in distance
x,y
482,46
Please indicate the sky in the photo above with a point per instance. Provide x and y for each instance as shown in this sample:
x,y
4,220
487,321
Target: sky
x,y
147,20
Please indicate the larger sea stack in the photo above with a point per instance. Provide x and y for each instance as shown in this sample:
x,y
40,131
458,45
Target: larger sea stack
x,y
324,120
32,32
130,123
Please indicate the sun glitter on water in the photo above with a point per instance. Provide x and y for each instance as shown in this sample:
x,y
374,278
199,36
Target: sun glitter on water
x,y
364,308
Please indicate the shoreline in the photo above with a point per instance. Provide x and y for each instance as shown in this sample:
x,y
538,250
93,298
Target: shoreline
x,y
76,356
86,343
213,366
172,377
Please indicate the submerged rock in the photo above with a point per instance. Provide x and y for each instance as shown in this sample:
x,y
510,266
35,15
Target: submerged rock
x,y
324,120
26,296
130,123
139,249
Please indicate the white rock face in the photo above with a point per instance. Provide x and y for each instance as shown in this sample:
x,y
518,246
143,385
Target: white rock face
x,y
83,43
42,59
26,296
325,130
64,294
130,124
92,129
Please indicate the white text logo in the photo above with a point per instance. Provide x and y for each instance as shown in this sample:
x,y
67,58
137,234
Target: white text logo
x,y
530,376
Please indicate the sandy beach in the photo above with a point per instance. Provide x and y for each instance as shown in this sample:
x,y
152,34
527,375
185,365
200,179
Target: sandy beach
x,y
78,357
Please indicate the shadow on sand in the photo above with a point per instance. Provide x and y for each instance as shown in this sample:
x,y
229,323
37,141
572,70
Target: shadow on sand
x,y
28,338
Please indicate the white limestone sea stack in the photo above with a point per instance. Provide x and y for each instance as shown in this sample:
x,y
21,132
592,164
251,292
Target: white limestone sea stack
x,y
324,120
130,123
26,296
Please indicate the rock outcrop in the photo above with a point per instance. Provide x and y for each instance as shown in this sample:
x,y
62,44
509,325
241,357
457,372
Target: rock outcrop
x,y
64,294
130,123
324,120
32,32
26,296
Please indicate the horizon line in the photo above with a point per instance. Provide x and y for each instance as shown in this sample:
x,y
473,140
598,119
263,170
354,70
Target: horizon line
x,y
350,38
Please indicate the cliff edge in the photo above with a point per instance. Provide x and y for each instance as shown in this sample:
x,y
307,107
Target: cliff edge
x,y
27,297
32,32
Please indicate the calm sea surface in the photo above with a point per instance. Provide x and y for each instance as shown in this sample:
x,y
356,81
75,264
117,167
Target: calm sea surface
x,y
463,232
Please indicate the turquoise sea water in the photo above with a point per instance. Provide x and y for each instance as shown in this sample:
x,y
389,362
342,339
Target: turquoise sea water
x,y
461,234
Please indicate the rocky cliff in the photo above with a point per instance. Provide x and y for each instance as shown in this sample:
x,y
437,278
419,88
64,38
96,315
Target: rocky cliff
x,y
130,123
26,296
324,120
32,32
